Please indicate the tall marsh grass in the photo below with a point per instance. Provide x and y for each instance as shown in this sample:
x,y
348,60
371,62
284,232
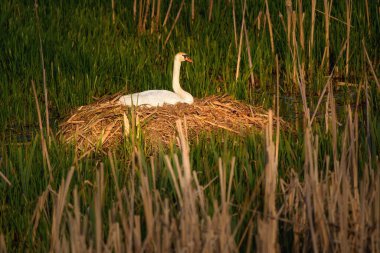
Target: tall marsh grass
x,y
313,187
333,206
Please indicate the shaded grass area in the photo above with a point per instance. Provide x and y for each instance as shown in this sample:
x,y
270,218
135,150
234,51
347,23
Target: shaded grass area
x,y
87,56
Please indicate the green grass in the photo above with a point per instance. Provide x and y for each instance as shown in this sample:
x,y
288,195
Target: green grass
x,y
86,56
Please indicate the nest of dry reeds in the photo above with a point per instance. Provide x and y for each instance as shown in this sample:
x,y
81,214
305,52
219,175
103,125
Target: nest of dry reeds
x,y
103,124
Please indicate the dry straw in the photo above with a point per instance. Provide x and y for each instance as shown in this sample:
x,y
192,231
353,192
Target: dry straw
x,y
189,228
99,126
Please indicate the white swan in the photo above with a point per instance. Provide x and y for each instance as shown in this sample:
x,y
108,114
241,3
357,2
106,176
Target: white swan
x,y
161,97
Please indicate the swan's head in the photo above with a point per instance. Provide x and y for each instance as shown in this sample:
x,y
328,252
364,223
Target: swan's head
x,y
182,57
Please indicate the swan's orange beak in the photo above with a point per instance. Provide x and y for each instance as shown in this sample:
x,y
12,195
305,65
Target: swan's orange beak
x,y
188,59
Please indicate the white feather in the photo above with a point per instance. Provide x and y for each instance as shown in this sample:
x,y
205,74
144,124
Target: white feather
x,y
153,98
161,97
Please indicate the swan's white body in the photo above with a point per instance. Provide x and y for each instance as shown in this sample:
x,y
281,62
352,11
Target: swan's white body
x,y
161,97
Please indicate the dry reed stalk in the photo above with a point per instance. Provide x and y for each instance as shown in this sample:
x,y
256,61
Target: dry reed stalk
x,y
348,21
302,39
126,227
185,151
326,55
147,202
367,16
269,26
311,179
76,235
320,218
300,22
113,11
294,208
368,122
136,231
153,10
125,125
234,22
284,27
140,22
192,10
311,42
6,180
248,46
296,71
250,238
232,170
172,174
345,200
168,12
175,22
145,15
152,17
45,153
224,223
98,202
210,9
128,222
353,149
58,208
114,238
289,11
134,9
158,13
267,226
259,20
43,72
278,110
37,212
240,42
331,103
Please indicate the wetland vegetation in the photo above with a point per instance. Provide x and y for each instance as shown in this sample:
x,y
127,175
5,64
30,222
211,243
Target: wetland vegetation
x,y
314,186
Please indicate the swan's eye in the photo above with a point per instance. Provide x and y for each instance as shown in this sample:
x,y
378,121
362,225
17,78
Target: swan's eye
x,y
185,56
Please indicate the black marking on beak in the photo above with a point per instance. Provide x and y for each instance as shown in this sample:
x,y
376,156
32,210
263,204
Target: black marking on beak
x,y
187,58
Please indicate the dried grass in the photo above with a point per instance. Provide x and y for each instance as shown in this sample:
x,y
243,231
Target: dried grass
x,y
330,208
100,125
190,228
268,224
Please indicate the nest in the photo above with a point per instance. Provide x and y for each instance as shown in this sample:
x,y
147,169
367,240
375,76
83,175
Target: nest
x,y
103,124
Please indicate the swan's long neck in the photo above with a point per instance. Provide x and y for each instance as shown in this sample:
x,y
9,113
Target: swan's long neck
x,y
187,97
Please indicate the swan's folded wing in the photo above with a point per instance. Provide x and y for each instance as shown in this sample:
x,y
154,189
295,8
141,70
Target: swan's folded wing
x,y
151,98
